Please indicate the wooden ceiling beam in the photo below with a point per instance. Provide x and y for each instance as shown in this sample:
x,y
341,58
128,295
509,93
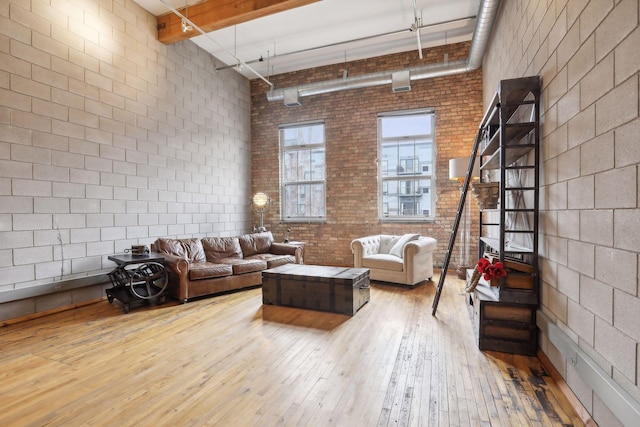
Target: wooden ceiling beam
x,y
211,15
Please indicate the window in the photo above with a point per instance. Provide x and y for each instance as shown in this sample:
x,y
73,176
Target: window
x,y
302,154
406,167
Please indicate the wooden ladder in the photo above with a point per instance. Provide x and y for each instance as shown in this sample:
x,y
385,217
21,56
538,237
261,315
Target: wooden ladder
x,y
454,231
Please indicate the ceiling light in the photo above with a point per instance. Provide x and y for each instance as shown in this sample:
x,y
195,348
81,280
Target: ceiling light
x,y
186,27
415,27
189,25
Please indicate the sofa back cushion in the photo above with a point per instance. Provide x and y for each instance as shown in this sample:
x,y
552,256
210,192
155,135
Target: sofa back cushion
x,y
256,243
189,249
221,247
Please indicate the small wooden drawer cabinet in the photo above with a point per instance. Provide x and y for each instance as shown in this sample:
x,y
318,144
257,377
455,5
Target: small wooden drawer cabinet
x,y
501,326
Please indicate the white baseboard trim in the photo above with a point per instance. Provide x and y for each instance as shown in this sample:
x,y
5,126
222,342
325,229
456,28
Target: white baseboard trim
x,y
619,402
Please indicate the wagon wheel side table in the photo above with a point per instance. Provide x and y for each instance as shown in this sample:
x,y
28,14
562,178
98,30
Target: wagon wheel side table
x,y
138,280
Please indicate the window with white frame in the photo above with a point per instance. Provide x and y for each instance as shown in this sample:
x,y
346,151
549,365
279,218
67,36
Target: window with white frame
x,y
302,184
406,167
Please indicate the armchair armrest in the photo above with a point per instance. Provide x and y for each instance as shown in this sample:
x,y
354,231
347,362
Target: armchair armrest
x,y
418,258
278,248
419,246
178,269
287,249
177,264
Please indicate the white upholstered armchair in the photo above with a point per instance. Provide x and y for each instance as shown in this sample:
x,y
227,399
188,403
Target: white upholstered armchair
x,y
406,259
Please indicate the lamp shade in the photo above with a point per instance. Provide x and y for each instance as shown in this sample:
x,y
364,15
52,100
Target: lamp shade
x,y
458,168
260,201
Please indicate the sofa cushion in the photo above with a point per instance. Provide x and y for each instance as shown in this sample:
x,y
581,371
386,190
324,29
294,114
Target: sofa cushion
x,y
273,260
189,249
209,270
256,243
397,249
383,262
216,248
241,266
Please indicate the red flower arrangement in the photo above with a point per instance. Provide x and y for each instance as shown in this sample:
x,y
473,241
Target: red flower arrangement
x,y
487,270
490,271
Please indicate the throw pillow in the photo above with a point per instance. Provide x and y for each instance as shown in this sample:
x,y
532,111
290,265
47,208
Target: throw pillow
x,y
397,249
387,242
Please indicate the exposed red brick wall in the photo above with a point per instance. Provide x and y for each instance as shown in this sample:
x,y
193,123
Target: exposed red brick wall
x,y
351,142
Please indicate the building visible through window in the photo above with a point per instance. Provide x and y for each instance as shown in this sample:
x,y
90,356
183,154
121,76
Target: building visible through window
x,y
302,153
406,168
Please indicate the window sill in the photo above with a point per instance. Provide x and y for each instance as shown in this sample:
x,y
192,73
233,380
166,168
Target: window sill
x,y
303,221
407,220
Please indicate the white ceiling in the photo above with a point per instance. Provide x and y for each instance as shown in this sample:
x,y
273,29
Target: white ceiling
x,y
332,31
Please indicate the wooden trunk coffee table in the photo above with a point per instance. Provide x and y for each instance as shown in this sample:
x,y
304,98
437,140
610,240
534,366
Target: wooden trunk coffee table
x,y
336,289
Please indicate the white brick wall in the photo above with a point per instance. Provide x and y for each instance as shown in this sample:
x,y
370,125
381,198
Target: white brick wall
x,y
109,138
587,56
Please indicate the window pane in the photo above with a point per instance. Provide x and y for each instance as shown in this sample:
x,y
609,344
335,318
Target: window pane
x,y
317,164
406,166
290,205
290,161
304,165
303,171
403,126
303,135
317,197
407,197
390,159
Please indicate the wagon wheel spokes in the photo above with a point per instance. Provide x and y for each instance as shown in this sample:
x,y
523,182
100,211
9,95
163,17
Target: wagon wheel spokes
x,y
149,280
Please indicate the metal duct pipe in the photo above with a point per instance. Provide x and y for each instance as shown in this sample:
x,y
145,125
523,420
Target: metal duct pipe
x,y
484,24
482,32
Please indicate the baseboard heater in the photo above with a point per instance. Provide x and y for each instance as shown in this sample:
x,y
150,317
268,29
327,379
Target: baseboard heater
x,y
619,402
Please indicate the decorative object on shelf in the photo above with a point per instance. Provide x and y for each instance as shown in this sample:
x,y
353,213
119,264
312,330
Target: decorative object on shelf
x,y
491,271
458,171
473,281
488,271
260,203
138,250
286,236
487,194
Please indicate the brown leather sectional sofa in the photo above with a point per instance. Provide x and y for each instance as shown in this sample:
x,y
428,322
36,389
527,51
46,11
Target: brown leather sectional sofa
x,y
211,265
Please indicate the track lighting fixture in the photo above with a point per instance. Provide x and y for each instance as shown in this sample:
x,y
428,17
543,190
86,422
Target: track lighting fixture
x,y
415,27
185,25
188,25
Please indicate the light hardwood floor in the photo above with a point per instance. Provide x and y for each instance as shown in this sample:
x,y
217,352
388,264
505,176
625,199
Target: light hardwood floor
x,y
230,361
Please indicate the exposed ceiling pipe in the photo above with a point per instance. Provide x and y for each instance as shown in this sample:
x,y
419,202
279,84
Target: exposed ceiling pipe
x,y
484,24
344,44
482,32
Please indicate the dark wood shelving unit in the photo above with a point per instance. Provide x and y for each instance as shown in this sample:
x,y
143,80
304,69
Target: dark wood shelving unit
x,y
504,315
